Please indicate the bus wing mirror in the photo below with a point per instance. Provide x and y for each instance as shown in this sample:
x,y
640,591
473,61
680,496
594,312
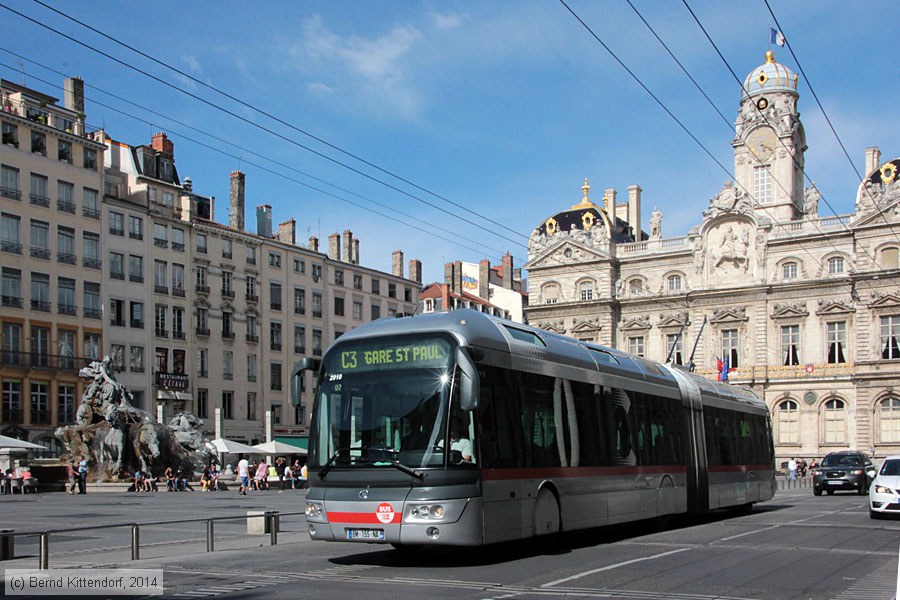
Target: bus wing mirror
x,y
308,363
468,397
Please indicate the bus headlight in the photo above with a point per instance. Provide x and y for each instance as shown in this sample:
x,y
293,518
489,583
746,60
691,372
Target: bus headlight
x,y
425,511
313,510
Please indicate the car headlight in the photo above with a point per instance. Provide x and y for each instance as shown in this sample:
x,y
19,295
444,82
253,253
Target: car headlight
x,y
816,473
313,510
858,472
880,489
424,511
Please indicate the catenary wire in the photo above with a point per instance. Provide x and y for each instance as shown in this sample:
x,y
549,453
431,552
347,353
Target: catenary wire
x,y
261,127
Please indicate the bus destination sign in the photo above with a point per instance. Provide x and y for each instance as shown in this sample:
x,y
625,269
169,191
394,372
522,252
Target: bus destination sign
x,y
426,354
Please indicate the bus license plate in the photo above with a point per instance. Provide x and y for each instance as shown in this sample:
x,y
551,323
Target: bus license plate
x,y
835,483
365,534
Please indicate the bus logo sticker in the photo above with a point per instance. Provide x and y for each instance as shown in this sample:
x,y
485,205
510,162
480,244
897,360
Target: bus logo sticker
x,y
385,513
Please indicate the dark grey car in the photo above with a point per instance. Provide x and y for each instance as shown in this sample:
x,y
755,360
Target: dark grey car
x,y
851,471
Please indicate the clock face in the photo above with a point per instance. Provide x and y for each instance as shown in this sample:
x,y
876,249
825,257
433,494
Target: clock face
x,y
762,143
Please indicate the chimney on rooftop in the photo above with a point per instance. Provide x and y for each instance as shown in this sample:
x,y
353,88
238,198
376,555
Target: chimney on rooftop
x,y
508,271
264,220
873,159
397,263
415,270
74,100
161,143
313,243
236,209
484,279
634,210
334,246
355,254
348,246
287,232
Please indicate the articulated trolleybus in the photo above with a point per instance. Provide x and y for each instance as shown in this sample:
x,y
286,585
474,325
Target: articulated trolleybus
x,y
462,429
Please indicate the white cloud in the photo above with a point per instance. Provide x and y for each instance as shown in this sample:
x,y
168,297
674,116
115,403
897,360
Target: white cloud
x,y
319,88
444,22
192,63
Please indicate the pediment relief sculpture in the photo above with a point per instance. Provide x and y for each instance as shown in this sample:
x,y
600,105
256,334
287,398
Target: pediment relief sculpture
x,y
787,310
587,325
882,300
834,307
557,326
729,200
675,319
638,322
729,314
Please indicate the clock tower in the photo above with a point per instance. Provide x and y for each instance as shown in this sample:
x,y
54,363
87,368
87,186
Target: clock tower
x,y
770,142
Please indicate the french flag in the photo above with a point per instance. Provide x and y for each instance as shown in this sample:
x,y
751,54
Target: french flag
x,y
776,37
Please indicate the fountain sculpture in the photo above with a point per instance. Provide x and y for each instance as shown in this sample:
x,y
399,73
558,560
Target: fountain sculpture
x,y
118,439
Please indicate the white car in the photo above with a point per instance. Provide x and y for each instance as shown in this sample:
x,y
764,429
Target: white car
x,y
884,493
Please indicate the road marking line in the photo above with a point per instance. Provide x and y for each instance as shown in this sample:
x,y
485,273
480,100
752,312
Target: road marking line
x,y
615,566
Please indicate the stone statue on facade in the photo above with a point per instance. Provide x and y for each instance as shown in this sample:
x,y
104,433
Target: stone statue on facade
x,y
655,224
731,249
811,197
118,439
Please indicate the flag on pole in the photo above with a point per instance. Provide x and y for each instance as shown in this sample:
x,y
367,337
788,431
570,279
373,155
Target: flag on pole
x,y
776,37
723,368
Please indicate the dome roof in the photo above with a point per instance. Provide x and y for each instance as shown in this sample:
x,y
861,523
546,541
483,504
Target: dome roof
x,y
588,217
771,76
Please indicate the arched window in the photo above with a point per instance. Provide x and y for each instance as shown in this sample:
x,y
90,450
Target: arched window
x,y
835,422
789,270
835,265
429,305
673,283
550,293
586,290
889,420
788,423
890,258
636,286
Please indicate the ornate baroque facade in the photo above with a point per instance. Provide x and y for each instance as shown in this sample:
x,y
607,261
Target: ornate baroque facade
x,y
805,308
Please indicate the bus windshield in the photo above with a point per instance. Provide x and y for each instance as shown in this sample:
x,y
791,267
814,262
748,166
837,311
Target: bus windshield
x,y
384,402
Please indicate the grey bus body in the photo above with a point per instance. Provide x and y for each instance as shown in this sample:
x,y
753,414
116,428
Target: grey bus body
x,y
439,501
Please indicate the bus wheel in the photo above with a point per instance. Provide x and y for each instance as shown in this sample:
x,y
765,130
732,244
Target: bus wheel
x,y
546,513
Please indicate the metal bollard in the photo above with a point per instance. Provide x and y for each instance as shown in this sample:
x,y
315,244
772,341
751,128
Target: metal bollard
x,y
44,557
272,518
210,536
7,544
135,542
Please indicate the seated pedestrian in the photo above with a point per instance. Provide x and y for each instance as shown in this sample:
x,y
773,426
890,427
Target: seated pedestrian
x,y
170,480
213,478
288,478
304,473
260,480
138,481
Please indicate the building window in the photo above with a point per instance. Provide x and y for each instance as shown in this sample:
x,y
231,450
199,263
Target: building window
x,y
276,413
357,310
161,357
227,290
275,295
201,243
202,280
227,405
202,362
117,352
299,339
91,348
890,334
10,134
203,403
39,193
889,420
299,266
9,183
275,377
357,281
762,184
65,196
90,159
338,277
65,245
275,336
790,345
39,143
550,293
636,287
299,301
636,345
316,272
392,290
66,344
117,312
376,286
160,235
251,406
64,151
788,423
161,277
40,402
65,403
250,288
275,260
339,307
92,307
586,289
673,283
177,239
317,342
116,223
227,327
65,290
90,249
890,258
178,323
12,401
178,279
40,292
730,346
835,422
203,321
251,367
836,342
40,239
251,255
226,248
674,345
90,206
376,312
116,265
137,359
835,265
135,268
12,287
228,365
137,315
317,304
160,320
9,234
789,271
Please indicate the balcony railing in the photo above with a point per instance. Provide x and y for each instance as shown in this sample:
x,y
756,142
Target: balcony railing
x,y
117,275
178,335
317,352
39,200
202,331
251,260
65,206
93,313
202,289
275,346
25,360
253,338
41,305
91,213
12,301
118,322
228,335
178,291
11,247
116,231
137,324
226,254
275,305
92,263
160,243
66,258
299,349
11,193
299,310
228,293
252,298
43,253
161,289
162,333
12,415
67,309
228,376
135,235
177,246
135,278
40,416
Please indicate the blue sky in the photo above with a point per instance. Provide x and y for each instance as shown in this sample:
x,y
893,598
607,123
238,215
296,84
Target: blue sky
x,y
502,108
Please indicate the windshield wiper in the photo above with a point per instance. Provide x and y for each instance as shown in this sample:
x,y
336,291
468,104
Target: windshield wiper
x,y
331,461
394,462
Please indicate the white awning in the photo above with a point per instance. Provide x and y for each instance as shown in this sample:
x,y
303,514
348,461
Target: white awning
x,y
170,395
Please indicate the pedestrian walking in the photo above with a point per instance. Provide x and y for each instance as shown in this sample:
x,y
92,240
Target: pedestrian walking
x,y
72,475
280,465
82,475
244,474
792,469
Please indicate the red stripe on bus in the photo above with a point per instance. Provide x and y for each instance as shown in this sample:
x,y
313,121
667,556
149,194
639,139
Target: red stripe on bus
x,y
560,472
367,518
734,468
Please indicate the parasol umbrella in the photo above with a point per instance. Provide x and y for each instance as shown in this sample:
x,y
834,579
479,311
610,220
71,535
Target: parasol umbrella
x,y
275,447
231,447
17,445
